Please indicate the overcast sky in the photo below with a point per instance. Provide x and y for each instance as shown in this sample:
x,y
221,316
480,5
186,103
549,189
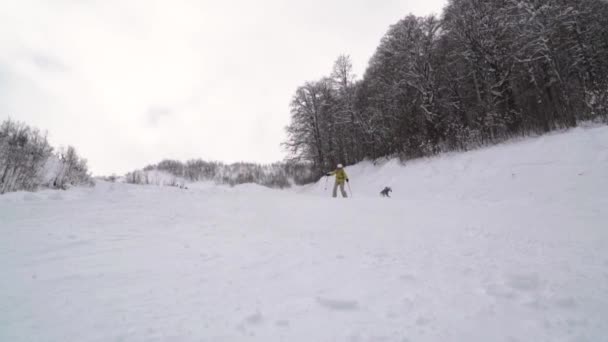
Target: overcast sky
x,y
130,82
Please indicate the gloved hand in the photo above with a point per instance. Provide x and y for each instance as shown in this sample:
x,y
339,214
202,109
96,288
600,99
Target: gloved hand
x,y
328,174
347,180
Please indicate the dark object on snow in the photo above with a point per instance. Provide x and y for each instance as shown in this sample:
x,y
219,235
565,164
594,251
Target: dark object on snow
x,y
386,192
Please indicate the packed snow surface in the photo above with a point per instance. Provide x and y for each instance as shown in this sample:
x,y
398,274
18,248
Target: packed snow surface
x,y
508,243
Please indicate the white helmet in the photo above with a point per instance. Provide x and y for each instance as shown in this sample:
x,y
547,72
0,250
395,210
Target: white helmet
x,y
340,166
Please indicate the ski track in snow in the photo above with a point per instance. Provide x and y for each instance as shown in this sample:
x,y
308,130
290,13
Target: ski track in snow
x,y
508,243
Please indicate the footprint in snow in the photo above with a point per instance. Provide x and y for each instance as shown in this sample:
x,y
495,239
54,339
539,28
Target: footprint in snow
x,y
338,305
56,197
254,319
408,278
467,271
567,303
524,282
392,315
422,321
498,291
282,323
407,303
30,197
516,285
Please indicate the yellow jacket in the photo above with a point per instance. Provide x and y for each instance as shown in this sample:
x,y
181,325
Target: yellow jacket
x,y
341,176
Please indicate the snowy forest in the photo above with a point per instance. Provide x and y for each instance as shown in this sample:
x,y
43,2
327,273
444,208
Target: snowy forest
x,y
483,72
176,173
29,162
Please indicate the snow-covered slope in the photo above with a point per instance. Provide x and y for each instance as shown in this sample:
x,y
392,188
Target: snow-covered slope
x,y
508,243
552,167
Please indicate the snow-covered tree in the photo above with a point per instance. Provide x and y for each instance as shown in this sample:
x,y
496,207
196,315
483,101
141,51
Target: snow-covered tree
x,y
27,161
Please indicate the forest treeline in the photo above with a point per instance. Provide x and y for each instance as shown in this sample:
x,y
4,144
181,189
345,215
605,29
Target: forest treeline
x,y
277,175
482,72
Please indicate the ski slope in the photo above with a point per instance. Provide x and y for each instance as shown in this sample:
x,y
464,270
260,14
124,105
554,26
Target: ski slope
x,y
508,243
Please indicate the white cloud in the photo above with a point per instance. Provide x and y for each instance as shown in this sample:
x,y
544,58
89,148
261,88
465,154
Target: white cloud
x,y
131,82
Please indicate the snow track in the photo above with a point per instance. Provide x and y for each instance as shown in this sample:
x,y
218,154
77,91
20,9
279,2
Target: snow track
x,y
508,243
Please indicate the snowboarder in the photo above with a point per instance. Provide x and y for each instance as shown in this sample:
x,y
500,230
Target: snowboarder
x,y
341,177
